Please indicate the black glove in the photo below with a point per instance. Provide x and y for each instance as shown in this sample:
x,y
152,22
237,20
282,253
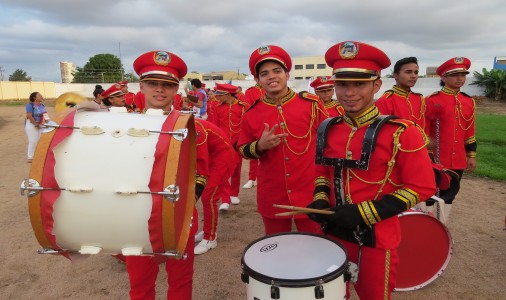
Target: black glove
x,y
318,204
345,216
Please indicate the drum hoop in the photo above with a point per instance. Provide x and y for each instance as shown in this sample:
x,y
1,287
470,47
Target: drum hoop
x,y
282,282
445,263
36,172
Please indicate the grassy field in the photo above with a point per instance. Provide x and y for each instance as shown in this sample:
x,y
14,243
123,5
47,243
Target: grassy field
x,y
491,136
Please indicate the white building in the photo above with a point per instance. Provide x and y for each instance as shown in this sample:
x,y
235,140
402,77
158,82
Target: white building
x,y
307,67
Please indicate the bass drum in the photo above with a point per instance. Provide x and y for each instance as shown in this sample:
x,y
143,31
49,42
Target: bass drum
x,y
294,266
424,252
104,182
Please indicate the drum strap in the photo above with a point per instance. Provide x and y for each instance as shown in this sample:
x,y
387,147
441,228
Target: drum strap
x,y
40,211
368,145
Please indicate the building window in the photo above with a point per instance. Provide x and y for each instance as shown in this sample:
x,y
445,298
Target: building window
x,y
321,66
298,67
298,78
309,77
309,66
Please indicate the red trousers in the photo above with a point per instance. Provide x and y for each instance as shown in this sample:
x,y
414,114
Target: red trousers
x,y
280,225
231,188
377,271
210,198
235,179
253,166
143,270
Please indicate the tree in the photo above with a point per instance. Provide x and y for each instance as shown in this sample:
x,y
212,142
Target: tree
x,y
494,82
19,75
105,68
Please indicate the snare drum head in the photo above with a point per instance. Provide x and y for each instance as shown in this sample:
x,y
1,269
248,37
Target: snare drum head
x,y
294,259
424,252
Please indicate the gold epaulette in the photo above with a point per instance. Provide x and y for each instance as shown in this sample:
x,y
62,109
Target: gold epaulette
x,y
308,96
387,94
402,122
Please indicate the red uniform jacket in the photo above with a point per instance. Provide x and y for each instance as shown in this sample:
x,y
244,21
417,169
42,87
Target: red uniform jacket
x,y
214,151
228,117
285,173
399,144
253,94
140,102
456,114
334,109
405,105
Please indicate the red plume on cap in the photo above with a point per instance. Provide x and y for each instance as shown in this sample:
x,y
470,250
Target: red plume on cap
x,y
269,52
160,65
356,61
454,65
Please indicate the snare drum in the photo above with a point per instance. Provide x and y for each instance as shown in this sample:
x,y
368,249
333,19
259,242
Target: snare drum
x,y
424,252
294,266
104,182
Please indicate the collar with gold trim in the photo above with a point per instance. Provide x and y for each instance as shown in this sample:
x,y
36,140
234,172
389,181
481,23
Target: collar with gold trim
x,y
400,92
364,119
284,99
450,91
330,104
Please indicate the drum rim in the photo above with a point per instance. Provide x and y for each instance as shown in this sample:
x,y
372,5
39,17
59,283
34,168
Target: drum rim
x,y
445,263
283,282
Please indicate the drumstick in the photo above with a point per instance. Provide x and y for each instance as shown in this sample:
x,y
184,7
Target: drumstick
x,y
305,210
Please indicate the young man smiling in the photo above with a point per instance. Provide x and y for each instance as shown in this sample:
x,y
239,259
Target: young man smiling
x,y
401,101
279,130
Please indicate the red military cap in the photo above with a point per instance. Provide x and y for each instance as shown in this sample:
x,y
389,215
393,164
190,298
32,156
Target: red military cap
x,y
124,82
454,65
160,65
269,52
114,90
352,61
322,83
225,88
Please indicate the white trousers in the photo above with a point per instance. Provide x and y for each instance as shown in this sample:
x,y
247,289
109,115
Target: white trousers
x,y
33,134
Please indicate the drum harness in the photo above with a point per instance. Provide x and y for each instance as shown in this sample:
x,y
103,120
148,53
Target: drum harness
x,y
371,134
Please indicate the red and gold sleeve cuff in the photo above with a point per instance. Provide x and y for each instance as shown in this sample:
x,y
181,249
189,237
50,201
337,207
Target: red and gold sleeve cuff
x,y
249,150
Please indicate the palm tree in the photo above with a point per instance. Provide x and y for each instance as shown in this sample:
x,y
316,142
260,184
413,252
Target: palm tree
x,y
494,82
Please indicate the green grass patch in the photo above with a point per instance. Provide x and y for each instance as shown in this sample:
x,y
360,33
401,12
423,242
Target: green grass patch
x,y
491,137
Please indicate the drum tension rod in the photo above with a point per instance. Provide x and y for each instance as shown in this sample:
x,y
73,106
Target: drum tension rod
x,y
33,187
179,134
171,192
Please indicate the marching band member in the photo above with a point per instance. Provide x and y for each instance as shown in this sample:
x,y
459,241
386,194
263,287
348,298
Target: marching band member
x,y
228,116
133,103
324,89
280,130
113,96
252,95
401,101
159,73
379,166
214,168
451,121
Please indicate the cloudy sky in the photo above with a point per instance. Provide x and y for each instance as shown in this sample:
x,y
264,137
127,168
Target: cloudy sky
x,y
220,35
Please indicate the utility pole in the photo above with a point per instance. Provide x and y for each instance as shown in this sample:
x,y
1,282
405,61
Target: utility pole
x,y
121,64
1,73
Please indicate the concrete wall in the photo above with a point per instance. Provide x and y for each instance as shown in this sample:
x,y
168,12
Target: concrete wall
x,y
13,90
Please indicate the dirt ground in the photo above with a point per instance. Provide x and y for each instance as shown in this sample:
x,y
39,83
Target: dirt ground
x,y
477,269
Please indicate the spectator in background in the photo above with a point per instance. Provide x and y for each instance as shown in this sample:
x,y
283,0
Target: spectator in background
x,y
114,96
36,115
97,94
